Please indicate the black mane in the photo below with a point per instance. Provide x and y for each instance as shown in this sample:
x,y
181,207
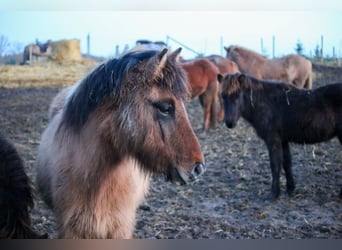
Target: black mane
x,y
102,82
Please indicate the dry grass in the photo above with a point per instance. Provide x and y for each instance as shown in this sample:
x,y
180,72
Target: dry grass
x,y
50,74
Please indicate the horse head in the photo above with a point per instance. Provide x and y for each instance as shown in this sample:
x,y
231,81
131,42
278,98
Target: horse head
x,y
231,92
137,102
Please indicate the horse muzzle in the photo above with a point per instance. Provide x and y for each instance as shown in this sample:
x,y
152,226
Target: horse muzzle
x,y
182,177
230,124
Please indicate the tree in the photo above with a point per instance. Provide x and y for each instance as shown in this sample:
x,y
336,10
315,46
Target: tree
x,y
299,48
3,45
317,51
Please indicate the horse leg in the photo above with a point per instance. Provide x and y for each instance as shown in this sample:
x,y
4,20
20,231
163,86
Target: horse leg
x,y
206,104
287,165
275,152
213,91
308,82
221,112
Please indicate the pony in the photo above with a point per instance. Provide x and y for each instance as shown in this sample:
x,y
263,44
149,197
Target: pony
x,y
225,66
123,122
292,69
32,52
202,77
16,195
281,113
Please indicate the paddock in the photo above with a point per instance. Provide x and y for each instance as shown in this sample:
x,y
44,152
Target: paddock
x,y
227,201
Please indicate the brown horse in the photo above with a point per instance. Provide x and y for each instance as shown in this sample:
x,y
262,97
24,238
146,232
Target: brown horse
x,y
292,69
16,194
225,66
202,76
121,123
281,113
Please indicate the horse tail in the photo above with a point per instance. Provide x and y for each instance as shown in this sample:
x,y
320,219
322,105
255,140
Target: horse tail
x,y
16,194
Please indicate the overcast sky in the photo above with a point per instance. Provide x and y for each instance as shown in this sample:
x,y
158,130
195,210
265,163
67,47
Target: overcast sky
x,y
204,26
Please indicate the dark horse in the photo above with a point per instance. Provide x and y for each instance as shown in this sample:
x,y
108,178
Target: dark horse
x,y
282,113
16,194
107,135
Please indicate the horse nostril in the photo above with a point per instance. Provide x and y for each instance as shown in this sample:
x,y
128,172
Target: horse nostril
x,y
198,169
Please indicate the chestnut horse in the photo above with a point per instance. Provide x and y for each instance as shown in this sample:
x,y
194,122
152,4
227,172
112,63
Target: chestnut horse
x,y
202,77
16,194
121,123
292,69
282,113
225,66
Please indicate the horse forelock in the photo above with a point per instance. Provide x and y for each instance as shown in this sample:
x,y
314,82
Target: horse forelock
x,y
231,85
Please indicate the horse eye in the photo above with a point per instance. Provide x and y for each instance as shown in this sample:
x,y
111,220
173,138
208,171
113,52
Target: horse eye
x,y
164,107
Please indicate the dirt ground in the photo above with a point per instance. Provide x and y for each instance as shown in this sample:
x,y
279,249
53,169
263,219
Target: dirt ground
x,y
228,200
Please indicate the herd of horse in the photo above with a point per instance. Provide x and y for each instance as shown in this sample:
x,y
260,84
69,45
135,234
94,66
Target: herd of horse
x,y
127,120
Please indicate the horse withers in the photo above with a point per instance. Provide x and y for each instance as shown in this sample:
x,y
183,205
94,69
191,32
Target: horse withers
x,y
294,69
282,113
117,126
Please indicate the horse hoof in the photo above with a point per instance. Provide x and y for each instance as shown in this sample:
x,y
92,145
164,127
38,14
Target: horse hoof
x,y
271,197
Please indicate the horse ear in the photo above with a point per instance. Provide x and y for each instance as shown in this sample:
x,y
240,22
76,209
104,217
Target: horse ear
x,y
156,64
174,56
227,49
219,78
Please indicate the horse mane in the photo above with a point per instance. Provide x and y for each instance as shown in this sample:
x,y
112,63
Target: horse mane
x,y
106,81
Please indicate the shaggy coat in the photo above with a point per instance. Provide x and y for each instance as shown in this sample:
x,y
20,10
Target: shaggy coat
x,y
16,194
282,113
121,123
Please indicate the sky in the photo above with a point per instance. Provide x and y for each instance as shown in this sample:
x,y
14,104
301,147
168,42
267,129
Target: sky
x,y
205,26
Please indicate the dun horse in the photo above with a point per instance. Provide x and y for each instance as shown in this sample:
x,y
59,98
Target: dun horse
x,y
16,194
121,123
202,76
282,113
292,69
225,66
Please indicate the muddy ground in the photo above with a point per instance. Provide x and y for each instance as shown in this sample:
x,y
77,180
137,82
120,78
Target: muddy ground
x,y
228,201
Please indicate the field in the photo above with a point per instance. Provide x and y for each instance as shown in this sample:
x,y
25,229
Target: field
x,y
227,202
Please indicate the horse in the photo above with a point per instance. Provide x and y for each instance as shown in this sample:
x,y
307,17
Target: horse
x,y
202,77
123,122
32,52
282,113
225,66
16,195
292,69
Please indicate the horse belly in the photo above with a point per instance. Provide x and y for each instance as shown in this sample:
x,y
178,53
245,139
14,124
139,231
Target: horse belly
x,y
320,128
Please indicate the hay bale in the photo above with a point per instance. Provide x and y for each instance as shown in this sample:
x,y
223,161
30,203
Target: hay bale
x,y
66,50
